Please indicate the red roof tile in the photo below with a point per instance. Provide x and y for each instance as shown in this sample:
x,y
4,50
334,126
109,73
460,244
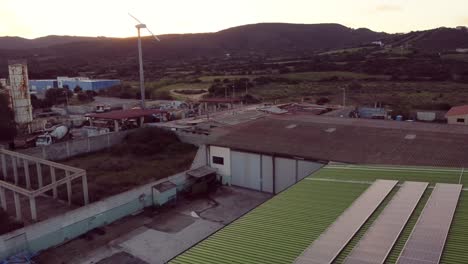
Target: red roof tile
x,y
458,110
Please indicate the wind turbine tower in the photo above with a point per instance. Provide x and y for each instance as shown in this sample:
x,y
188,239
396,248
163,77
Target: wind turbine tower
x,y
140,26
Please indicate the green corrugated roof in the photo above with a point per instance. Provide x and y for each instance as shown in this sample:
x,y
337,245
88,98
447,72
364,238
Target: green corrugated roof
x,y
280,229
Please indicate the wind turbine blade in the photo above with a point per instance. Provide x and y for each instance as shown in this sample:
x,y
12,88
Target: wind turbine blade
x,y
155,37
135,18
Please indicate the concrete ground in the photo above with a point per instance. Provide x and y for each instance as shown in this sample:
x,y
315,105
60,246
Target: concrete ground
x,y
156,236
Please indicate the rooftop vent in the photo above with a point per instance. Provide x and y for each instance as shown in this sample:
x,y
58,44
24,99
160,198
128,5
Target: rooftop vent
x,y
291,126
410,136
330,130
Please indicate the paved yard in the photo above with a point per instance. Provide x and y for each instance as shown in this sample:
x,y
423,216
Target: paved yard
x,y
157,236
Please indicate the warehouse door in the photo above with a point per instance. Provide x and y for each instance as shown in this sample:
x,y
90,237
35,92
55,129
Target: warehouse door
x,y
246,170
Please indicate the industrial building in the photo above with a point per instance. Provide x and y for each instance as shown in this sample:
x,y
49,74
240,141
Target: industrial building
x,y
39,87
274,152
457,115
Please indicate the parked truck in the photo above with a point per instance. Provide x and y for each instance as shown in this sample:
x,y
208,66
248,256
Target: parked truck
x,y
58,133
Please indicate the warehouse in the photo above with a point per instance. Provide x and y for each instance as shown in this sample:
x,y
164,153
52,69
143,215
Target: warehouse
x,y
457,115
272,153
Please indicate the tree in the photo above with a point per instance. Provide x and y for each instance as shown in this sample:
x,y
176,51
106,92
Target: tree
x,y
58,95
7,119
77,89
322,101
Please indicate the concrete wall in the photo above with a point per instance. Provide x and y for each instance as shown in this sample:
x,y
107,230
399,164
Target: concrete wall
x,y
267,173
285,173
453,120
246,170
67,149
72,224
225,153
261,172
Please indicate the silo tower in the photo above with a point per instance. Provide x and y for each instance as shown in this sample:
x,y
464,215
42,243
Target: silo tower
x,y
19,92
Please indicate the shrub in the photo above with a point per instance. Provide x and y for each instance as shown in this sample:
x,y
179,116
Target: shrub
x,y
322,101
163,95
146,142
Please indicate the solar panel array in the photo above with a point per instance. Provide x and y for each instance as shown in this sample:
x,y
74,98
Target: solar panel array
x,y
426,243
377,242
327,247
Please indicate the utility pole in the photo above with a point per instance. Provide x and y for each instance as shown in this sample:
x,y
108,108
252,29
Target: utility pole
x,y
344,97
142,77
247,86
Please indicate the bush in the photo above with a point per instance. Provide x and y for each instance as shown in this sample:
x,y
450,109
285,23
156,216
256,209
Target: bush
x,y
146,142
77,89
322,101
163,95
58,95
7,120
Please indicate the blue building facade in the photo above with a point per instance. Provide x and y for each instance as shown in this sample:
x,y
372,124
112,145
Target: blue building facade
x,y
39,87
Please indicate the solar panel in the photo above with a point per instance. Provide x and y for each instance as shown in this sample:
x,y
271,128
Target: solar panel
x,y
377,242
426,242
327,247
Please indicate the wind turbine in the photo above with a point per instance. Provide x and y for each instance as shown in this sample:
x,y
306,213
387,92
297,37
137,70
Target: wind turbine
x,y
139,26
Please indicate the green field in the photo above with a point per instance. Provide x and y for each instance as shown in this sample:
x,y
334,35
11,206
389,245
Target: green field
x,y
280,229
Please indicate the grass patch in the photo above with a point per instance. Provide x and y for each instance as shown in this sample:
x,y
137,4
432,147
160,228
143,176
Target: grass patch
x,y
145,155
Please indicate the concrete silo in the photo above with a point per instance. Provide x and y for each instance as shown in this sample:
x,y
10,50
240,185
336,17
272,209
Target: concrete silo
x,y
19,92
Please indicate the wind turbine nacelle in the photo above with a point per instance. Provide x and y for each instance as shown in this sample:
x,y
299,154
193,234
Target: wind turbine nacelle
x,y
140,26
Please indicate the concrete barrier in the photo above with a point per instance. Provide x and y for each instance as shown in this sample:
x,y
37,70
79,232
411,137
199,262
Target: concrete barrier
x,y
71,148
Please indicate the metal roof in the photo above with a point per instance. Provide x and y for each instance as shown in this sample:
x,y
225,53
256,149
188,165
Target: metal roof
x,y
201,172
457,110
281,228
354,141
126,114
330,243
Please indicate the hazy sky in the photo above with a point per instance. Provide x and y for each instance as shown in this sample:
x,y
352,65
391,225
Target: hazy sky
x,y
36,18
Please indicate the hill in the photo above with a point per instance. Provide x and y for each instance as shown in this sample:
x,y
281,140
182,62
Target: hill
x,y
248,45
17,43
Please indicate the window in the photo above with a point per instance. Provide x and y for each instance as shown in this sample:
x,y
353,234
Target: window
x,y
218,160
460,120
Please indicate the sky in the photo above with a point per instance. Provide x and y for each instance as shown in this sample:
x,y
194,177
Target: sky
x,y
37,18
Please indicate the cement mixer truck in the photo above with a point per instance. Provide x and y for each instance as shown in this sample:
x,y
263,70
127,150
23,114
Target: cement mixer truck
x,y
58,133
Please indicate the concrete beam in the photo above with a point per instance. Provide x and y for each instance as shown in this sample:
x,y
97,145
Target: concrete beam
x,y
3,202
116,126
26,174
39,175
15,169
69,187
42,161
4,168
84,179
54,180
56,184
19,215
32,204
